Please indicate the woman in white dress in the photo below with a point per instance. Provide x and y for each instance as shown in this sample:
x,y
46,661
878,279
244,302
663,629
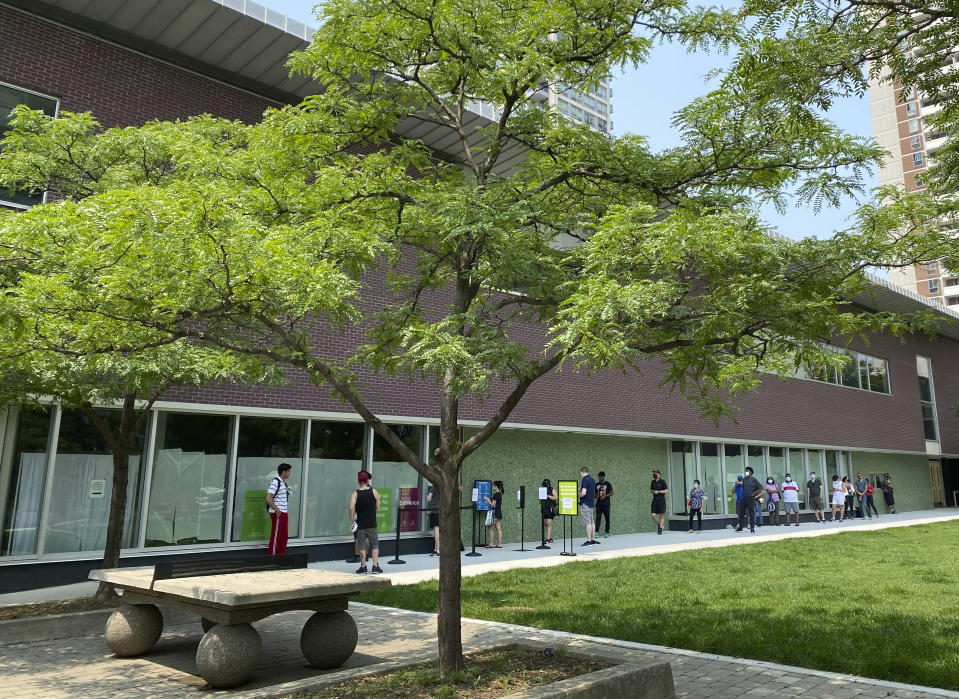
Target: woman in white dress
x,y
838,499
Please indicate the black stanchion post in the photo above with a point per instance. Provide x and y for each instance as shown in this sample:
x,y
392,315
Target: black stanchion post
x,y
522,518
397,560
564,551
474,552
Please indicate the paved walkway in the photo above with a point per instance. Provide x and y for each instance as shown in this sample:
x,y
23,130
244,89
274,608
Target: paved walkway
x,y
85,667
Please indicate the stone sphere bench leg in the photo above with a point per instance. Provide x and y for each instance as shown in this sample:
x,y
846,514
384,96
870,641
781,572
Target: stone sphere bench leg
x,y
228,654
133,629
328,639
206,624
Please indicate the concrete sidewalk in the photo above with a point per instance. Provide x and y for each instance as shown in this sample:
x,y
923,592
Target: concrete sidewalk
x,y
83,666
419,567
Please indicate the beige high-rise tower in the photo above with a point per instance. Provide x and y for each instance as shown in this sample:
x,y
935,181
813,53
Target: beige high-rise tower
x,y
900,128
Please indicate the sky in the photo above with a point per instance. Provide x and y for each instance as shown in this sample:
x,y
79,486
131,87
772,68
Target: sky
x,y
645,99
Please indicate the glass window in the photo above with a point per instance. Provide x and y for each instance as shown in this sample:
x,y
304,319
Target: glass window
x,y
23,469
711,478
797,468
878,375
777,467
757,459
933,286
262,445
932,268
849,373
864,371
929,422
10,97
920,182
83,482
913,125
915,142
833,468
735,466
917,159
911,108
682,470
336,456
190,474
397,482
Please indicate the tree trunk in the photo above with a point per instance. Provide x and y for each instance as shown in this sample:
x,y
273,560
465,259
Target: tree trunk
x,y
448,631
118,506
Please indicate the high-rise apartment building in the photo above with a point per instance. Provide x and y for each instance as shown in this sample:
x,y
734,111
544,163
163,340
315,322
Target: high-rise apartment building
x,y
899,122
593,108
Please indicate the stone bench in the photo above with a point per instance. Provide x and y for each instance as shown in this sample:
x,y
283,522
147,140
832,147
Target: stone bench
x,y
227,603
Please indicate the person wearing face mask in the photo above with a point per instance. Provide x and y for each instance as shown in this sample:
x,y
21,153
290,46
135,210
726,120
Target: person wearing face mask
x,y
604,491
814,491
838,502
790,497
695,504
772,497
752,492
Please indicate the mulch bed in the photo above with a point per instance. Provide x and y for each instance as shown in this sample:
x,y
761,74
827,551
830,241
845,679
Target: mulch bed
x,y
492,673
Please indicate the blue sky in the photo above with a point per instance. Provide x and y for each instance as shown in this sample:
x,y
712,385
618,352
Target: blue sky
x,y
644,101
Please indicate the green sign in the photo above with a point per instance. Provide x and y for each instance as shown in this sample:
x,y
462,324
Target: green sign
x,y
384,513
568,492
256,520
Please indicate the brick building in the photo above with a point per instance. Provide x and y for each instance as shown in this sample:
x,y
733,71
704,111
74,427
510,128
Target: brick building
x,y
197,484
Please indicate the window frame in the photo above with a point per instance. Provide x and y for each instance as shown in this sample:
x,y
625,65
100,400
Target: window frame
x,y
4,202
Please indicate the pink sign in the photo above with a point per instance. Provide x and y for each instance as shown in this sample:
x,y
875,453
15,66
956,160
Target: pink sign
x,y
409,505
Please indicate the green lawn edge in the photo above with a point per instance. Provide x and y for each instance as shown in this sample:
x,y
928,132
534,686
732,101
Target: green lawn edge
x,y
877,604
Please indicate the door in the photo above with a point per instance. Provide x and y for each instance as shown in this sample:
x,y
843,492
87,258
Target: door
x,y
935,475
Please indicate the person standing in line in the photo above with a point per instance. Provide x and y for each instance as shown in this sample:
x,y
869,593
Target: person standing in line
x,y
363,506
657,508
277,504
738,491
861,484
838,501
587,499
772,497
496,512
758,511
752,491
868,504
549,509
790,491
850,496
814,494
887,494
433,503
695,504
604,491
356,545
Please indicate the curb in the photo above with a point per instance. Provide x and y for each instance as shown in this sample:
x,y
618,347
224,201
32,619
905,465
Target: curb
x,y
72,624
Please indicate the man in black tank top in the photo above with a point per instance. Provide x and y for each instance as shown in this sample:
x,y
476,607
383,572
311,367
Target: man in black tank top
x,y
363,505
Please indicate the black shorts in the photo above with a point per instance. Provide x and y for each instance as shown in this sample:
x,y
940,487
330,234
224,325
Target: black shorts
x,y
658,507
434,519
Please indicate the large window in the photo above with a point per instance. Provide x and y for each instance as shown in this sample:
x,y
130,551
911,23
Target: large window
x,y
336,455
857,371
83,483
262,445
23,469
682,470
190,474
10,97
734,468
927,399
396,481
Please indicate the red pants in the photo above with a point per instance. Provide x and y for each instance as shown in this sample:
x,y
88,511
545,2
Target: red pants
x,y
278,534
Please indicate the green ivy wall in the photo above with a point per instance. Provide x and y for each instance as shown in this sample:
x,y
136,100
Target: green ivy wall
x,y
526,457
910,478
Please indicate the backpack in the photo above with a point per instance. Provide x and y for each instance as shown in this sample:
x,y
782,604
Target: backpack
x,y
277,492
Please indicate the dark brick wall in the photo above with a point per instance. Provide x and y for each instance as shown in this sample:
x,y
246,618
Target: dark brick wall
x,y
120,87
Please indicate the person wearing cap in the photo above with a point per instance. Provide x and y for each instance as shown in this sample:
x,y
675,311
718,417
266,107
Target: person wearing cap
x,y
752,491
356,545
738,493
657,508
277,504
363,505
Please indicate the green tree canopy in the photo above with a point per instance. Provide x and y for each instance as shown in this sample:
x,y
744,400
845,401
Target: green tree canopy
x,y
527,244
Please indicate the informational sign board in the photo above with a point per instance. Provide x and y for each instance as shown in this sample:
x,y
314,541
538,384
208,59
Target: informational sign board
x,y
256,520
409,504
384,513
484,489
568,492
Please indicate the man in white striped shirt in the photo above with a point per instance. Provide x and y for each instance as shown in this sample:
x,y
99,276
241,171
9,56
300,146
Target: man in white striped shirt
x,y
277,501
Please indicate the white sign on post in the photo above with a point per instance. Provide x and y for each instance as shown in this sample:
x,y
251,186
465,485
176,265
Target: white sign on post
x,y
542,493
475,494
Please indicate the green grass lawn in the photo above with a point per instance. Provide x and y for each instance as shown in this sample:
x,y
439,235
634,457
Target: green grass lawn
x,y
878,604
